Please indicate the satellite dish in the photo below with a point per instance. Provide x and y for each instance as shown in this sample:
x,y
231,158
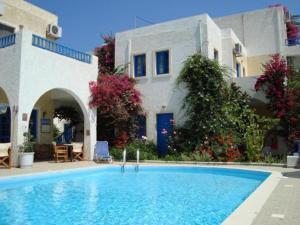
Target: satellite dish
x,y
3,109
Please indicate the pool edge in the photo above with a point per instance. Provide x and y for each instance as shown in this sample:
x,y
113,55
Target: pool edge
x,y
249,209
244,214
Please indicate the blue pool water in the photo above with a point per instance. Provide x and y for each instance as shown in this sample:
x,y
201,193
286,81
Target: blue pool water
x,y
153,196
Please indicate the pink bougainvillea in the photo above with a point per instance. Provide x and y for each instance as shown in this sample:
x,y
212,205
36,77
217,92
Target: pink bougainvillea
x,y
273,83
118,103
106,55
114,95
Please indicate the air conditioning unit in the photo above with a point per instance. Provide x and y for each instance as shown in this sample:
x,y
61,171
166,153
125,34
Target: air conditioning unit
x,y
2,9
237,49
54,31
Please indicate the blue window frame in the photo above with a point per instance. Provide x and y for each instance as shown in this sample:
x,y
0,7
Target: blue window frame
x,y
162,62
141,123
238,70
140,65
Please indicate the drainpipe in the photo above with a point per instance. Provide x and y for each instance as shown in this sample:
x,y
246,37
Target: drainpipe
x,y
200,36
129,57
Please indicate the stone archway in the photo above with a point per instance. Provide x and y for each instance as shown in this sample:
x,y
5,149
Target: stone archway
x,y
40,120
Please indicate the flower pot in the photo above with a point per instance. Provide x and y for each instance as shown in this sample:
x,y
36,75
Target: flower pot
x,y
26,159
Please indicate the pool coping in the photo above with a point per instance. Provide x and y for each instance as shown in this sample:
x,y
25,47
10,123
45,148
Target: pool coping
x,y
244,214
247,211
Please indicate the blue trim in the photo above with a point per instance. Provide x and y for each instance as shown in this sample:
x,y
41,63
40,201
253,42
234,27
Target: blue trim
x,y
238,70
164,124
292,41
60,49
7,40
140,65
162,62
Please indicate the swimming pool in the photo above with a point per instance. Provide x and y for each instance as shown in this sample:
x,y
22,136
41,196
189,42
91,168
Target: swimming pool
x,y
154,195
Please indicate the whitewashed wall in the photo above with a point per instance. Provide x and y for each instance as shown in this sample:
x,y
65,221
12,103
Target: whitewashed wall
x,y
183,38
28,72
262,31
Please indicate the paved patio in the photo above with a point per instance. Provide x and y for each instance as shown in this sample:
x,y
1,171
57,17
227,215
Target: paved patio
x,y
281,208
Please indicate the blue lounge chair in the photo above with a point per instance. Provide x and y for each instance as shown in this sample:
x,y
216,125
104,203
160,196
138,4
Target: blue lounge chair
x,y
101,152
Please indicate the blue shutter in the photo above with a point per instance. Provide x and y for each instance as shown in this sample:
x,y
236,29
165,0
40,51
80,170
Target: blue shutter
x,y
140,65
238,70
162,62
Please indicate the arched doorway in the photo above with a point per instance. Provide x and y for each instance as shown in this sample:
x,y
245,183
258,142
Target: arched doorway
x,y
5,118
57,117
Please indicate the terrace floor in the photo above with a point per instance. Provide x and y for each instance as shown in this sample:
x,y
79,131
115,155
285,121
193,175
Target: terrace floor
x,y
281,208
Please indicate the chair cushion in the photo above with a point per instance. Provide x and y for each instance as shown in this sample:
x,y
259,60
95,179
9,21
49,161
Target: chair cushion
x,y
4,149
77,146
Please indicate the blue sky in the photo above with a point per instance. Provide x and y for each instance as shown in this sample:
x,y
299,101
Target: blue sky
x,y
84,21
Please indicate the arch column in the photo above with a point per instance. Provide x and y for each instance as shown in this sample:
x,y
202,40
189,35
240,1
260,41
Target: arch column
x,y
90,136
19,126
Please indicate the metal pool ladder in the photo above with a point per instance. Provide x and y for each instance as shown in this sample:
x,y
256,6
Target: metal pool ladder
x,y
124,161
136,168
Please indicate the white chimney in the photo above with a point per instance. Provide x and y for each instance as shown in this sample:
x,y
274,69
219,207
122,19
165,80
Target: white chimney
x,y
1,9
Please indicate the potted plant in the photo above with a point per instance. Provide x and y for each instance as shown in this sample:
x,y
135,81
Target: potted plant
x,y
26,152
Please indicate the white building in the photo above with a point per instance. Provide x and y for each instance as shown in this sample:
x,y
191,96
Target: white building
x,y
38,75
155,55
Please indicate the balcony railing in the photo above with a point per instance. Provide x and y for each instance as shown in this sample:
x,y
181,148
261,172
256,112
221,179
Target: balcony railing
x,y
60,49
7,40
293,41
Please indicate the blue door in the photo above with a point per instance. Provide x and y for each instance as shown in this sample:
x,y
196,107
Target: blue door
x,y
164,123
5,126
33,124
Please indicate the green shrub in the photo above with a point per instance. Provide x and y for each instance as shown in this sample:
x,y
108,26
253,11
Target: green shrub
x,y
201,157
184,157
255,135
116,153
147,151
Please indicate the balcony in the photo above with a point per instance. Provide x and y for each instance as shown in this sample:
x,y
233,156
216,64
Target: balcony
x,y
59,49
7,41
48,45
35,63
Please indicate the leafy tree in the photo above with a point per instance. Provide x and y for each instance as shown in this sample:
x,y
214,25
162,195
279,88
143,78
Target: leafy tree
x,y
203,79
220,121
68,113
115,97
272,83
281,87
106,56
118,103
294,114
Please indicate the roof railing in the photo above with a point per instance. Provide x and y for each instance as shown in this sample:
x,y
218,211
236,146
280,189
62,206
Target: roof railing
x,y
60,49
7,40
